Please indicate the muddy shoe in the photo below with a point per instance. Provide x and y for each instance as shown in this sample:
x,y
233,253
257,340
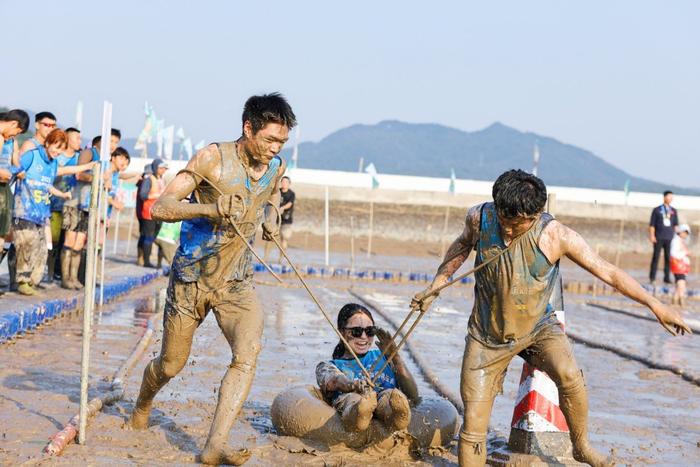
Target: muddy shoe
x,y
586,454
211,456
66,284
394,410
358,416
26,289
138,420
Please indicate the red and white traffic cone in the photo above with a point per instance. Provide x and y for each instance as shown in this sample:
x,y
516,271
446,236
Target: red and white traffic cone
x,y
538,426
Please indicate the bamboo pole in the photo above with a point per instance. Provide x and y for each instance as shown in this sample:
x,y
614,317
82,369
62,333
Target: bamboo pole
x,y
352,243
371,228
103,250
130,232
443,242
116,225
88,301
327,227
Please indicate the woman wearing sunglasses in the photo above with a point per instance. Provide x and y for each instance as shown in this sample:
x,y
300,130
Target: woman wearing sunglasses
x,y
344,386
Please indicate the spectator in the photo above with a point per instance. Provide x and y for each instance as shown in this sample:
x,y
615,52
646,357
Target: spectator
x,y
12,124
145,178
44,123
680,263
62,183
287,209
662,227
149,191
32,206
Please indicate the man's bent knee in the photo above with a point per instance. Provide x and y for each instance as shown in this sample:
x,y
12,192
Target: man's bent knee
x,y
171,366
571,381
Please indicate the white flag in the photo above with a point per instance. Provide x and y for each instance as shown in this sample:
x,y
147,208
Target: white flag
x,y
79,115
199,145
535,159
159,137
180,134
185,149
370,169
168,142
293,163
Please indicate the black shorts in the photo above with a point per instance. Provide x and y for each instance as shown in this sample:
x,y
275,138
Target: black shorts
x,y
83,217
679,277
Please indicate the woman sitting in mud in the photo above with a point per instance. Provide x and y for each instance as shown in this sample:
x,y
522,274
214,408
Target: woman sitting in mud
x,y
344,386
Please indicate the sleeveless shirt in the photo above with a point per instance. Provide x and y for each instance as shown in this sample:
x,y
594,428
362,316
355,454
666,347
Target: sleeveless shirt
x,y
512,293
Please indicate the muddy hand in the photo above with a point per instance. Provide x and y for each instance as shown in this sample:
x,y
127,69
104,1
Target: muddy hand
x,y
422,301
385,344
671,320
361,386
270,231
230,206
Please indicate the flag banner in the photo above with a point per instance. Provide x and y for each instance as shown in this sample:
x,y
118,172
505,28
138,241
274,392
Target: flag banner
x,y
185,152
453,181
199,145
168,142
535,158
146,135
294,162
159,137
370,169
180,134
79,115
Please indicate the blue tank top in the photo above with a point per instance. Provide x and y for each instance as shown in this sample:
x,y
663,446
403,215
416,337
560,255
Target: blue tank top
x,y
512,293
6,151
85,187
32,193
65,182
350,368
200,258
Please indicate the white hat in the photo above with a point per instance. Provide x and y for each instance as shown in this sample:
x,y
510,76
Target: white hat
x,y
684,228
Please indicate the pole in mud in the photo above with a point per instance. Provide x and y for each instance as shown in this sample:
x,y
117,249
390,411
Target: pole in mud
x,y
116,225
89,291
130,231
352,243
371,227
327,227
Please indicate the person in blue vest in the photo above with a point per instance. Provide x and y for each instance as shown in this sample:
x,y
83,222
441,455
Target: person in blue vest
x,y
39,167
12,124
343,383
63,184
44,123
519,246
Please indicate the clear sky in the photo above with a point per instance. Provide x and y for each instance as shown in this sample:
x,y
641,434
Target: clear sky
x,y
620,78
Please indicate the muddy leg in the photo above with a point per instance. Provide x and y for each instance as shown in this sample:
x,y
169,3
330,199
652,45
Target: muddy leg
x,y
178,330
356,410
393,409
553,355
241,320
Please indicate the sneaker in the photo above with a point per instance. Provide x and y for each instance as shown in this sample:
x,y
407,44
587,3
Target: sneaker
x,y
26,289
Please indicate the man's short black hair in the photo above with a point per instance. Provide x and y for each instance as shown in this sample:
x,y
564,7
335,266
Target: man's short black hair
x,y
288,179
72,130
260,110
668,192
116,133
96,141
120,151
518,193
42,115
16,115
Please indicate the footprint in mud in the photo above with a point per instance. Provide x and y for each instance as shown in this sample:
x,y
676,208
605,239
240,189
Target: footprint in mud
x,y
648,374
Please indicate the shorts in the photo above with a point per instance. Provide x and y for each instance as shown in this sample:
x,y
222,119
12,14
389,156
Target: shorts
x,y
484,366
71,218
83,218
6,203
286,232
679,277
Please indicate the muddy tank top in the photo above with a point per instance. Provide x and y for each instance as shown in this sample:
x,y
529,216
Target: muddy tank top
x,y
210,252
511,295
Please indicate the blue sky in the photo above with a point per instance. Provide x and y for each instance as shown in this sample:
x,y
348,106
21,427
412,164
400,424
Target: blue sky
x,y
618,78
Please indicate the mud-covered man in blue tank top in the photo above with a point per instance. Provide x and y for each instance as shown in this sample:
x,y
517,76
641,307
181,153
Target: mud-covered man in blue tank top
x,y
212,268
511,315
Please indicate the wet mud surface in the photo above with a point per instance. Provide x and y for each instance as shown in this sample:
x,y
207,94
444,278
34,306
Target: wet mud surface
x,y
642,415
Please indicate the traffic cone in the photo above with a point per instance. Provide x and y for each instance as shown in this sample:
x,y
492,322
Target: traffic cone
x,y
538,426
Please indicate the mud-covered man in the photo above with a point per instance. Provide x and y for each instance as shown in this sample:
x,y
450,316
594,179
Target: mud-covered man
x,y
212,269
511,315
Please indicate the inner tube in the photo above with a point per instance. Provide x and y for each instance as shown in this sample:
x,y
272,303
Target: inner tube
x,y
300,411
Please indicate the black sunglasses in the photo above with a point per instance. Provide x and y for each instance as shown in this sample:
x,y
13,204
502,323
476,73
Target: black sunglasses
x,y
371,331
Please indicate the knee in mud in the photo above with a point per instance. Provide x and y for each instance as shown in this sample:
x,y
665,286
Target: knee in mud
x,y
170,367
573,382
245,364
476,440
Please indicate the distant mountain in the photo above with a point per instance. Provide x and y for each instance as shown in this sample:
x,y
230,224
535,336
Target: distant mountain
x,y
432,150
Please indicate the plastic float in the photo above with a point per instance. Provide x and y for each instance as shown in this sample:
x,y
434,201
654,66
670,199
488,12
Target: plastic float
x,y
300,411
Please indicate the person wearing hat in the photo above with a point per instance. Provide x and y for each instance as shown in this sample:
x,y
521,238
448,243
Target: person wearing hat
x,y
680,263
150,190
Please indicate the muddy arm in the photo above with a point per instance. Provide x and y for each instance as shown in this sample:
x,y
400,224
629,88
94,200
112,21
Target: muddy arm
x,y
459,251
169,208
331,379
560,240
405,381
